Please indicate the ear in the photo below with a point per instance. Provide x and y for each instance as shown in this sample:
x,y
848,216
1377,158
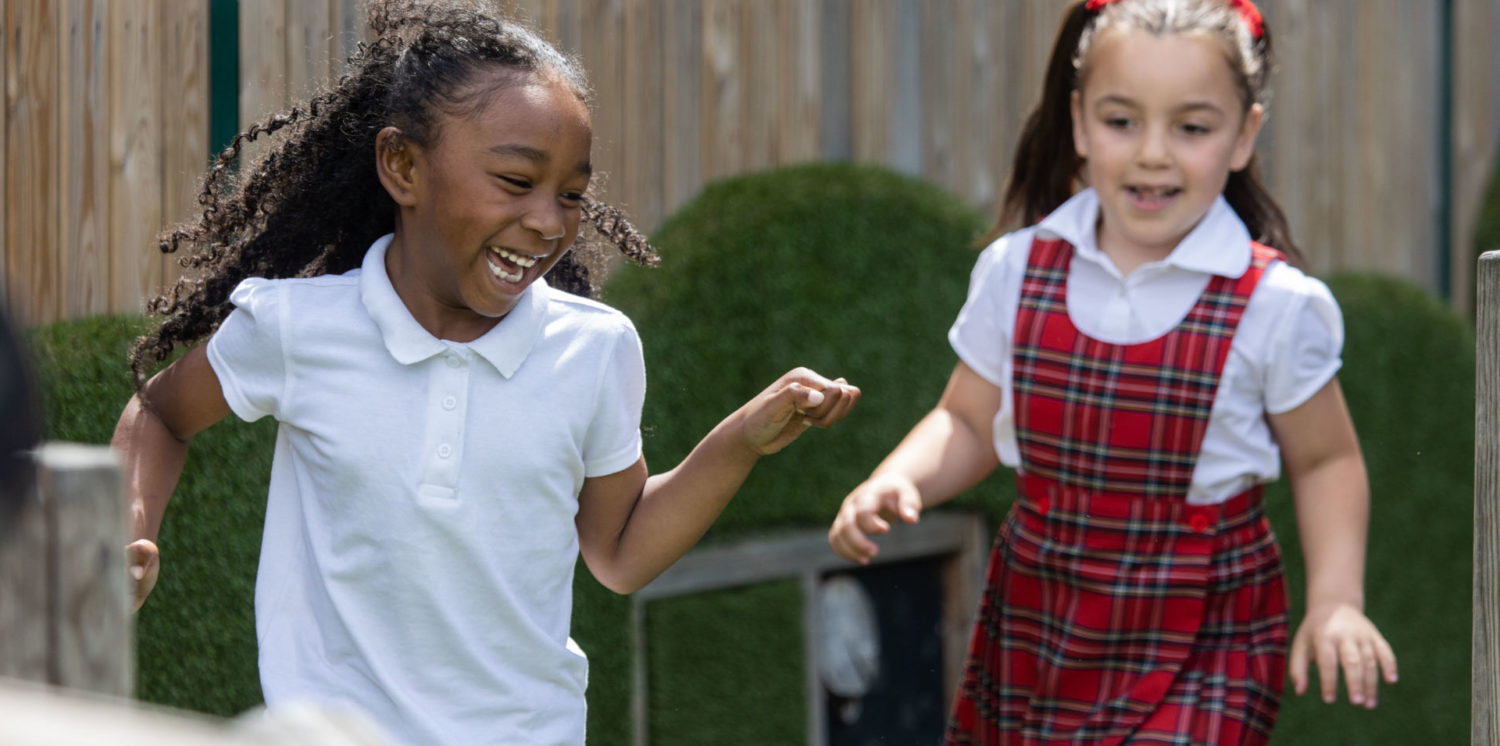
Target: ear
x,y
395,164
1080,142
1244,143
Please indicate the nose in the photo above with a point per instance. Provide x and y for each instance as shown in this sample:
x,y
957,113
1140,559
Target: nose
x,y
545,218
1154,150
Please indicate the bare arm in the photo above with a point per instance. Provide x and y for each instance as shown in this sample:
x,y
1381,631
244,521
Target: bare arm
x,y
631,527
152,443
1327,475
948,451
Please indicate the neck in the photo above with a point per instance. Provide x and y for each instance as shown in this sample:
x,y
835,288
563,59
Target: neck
x,y
445,320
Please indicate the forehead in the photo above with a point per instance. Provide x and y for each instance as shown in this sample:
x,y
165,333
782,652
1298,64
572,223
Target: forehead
x,y
1147,68
507,108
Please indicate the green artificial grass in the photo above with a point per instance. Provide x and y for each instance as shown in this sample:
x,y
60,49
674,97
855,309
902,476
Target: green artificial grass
x,y
858,272
742,652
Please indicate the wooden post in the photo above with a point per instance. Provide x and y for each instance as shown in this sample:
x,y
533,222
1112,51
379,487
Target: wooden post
x,y
1485,712
63,597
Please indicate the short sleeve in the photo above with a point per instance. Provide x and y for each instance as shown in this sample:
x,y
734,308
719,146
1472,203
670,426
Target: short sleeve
x,y
981,335
1306,348
614,435
247,352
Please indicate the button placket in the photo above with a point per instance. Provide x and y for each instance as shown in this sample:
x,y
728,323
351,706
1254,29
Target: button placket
x,y
445,421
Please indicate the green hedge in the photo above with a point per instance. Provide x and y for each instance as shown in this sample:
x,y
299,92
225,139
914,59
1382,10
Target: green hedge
x,y
857,272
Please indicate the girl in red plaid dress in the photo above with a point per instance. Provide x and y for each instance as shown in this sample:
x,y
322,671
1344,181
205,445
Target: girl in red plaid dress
x,y
1145,358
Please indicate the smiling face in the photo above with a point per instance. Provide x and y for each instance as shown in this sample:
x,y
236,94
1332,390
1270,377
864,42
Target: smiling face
x,y
488,207
1160,124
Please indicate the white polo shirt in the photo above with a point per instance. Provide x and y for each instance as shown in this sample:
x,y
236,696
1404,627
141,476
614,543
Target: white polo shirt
x,y
1286,348
419,542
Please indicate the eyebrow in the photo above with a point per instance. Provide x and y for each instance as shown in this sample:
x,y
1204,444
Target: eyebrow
x,y
1123,101
536,155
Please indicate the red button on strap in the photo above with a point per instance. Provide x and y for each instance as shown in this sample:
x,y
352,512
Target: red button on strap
x,y
1198,522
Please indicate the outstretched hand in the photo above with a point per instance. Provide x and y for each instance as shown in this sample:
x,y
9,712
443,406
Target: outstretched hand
x,y
870,510
796,401
1339,635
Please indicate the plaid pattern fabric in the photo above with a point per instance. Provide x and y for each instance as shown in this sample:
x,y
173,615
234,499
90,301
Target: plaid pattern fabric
x,y
1114,611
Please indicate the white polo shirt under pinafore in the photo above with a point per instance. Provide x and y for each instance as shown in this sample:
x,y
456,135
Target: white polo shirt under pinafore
x,y
420,541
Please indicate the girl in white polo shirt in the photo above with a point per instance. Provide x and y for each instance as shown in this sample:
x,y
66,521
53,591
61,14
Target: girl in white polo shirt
x,y
454,430
1142,356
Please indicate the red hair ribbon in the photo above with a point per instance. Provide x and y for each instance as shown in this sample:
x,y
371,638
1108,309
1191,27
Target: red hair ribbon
x,y
1245,8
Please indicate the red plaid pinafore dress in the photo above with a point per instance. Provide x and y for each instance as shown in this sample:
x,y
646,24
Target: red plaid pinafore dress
x,y
1114,611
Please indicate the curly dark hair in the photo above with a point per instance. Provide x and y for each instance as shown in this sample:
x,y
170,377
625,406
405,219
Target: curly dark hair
x,y
313,204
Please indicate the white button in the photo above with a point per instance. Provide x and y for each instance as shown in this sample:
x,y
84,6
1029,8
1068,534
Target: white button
x,y
449,402
444,451
454,362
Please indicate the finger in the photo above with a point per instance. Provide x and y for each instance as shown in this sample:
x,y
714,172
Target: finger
x,y
1387,658
842,401
1372,673
1354,670
804,398
869,523
849,543
1297,665
907,504
1327,658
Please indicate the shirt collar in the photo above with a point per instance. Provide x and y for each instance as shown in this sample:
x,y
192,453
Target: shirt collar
x,y
505,346
1218,245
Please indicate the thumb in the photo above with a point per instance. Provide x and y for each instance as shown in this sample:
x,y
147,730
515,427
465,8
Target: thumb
x,y
905,502
804,397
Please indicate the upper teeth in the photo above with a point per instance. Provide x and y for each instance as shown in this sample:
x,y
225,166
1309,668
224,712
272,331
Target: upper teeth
x,y
521,260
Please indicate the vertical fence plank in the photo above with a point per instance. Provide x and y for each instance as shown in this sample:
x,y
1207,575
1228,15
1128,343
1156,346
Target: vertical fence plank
x,y
599,27
263,68
800,30
760,91
644,136
940,92
82,492
63,597
135,153
682,88
31,141
310,48
872,42
835,105
1485,703
184,113
83,162
723,136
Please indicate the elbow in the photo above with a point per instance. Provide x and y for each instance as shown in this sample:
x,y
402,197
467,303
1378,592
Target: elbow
x,y
622,582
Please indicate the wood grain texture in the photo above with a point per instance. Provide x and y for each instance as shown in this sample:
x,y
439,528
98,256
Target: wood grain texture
x,y
92,647
722,98
682,84
263,69
31,217
135,180
1485,711
83,158
641,160
184,114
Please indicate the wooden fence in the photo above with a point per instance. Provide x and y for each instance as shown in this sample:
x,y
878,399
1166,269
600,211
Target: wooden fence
x,y
105,118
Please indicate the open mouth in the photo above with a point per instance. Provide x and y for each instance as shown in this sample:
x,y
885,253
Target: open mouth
x,y
509,265
1152,198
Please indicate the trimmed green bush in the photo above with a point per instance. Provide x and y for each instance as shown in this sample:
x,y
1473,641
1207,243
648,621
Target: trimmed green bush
x,y
851,271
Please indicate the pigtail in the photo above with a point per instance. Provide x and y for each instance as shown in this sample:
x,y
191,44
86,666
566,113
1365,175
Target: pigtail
x,y
1260,213
1046,164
